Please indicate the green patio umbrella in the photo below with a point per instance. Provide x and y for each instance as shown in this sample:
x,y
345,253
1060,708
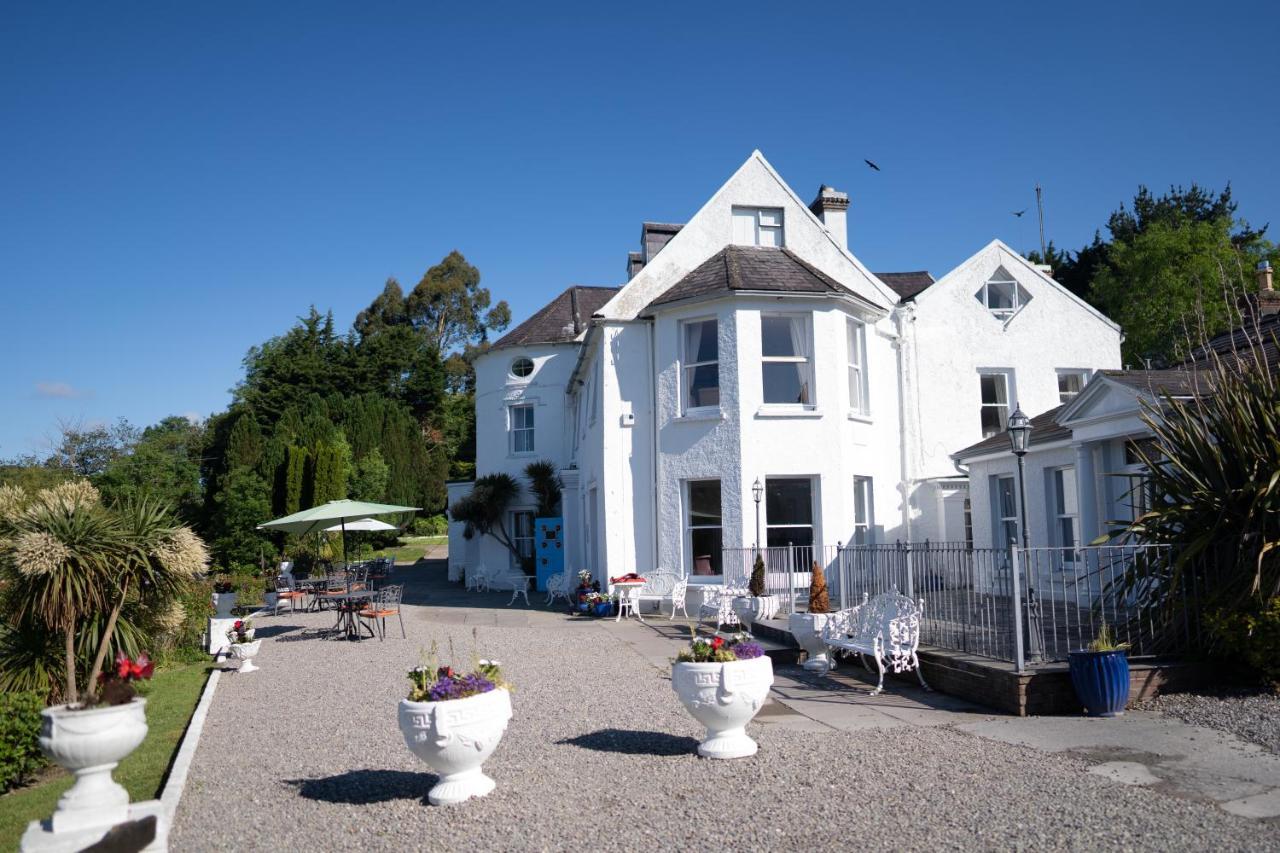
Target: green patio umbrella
x,y
322,517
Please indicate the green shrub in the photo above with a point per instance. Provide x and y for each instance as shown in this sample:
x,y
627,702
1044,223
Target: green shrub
x,y
755,586
1251,637
436,525
20,754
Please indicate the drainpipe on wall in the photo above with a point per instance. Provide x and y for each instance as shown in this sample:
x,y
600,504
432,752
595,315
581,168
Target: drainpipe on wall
x,y
653,404
902,316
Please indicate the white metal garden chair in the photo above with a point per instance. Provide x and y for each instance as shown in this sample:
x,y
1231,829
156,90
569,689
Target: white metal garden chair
x,y
560,586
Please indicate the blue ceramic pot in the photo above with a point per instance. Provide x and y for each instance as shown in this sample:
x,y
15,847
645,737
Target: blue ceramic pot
x,y
1101,680
604,608
583,607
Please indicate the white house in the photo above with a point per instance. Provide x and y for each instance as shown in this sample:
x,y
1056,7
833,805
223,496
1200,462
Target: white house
x,y
750,345
1083,474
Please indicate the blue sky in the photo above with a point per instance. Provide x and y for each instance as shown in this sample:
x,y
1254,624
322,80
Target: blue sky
x,y
179,181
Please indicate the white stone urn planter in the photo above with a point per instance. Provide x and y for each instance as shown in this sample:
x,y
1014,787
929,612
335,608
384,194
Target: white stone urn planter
x,y
724,697
245,653
455,737
90,743
224,603
807,629
751,608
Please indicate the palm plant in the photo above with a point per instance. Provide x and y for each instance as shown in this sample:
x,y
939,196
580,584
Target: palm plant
x,y
545,484
1213,472
485,509
70,566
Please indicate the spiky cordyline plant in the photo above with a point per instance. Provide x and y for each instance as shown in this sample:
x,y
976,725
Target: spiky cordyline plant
x,y
545,484
67,560
1214,476
484,510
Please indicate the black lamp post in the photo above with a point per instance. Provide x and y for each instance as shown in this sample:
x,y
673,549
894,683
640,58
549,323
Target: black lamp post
x,y
757,492
1019,430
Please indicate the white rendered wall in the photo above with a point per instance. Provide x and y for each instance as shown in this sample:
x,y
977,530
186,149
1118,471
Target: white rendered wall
x,y
496,391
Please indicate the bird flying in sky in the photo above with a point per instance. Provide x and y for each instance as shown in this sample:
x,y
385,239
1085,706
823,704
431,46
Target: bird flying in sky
x,y
1018,213
872,165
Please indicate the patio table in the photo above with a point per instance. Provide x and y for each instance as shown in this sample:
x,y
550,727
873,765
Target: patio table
x,y
628,599
348,623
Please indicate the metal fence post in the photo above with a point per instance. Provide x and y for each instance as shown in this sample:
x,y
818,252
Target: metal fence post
x,y
911,580
791,579
844,577
1015,560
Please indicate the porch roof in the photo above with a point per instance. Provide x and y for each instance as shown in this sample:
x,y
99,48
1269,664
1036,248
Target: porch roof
x,y
1044,429
561,319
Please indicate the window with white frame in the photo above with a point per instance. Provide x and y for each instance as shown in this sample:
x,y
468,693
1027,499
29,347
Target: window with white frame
x,y
994,390
863,512
786,350
701,373
1138,493
522,537
1005,515
703,527
522,429
1071,383
788,509
522,367
757,226
1002,295
856,342
1065,510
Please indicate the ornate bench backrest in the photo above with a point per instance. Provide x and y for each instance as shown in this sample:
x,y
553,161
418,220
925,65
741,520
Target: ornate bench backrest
x,y
895,618
659,583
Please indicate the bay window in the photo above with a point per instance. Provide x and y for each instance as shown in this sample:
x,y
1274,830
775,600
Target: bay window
x,y
786,350
788,507
703,526
701,373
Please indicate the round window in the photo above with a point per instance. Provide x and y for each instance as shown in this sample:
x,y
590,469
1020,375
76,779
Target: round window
x,y
522,367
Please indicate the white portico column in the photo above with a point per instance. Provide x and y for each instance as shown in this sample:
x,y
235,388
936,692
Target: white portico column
x,y
571,513
1086,492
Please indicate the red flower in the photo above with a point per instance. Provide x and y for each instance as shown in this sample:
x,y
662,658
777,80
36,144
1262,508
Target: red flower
x,y
239,624
122,665
444,672
716,642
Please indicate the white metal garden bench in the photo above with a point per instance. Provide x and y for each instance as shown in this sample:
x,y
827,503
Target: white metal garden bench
x,y
662,586
886,627
717,603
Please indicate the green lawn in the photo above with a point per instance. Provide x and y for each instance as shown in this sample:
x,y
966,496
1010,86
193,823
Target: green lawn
x,y
171,699
412,548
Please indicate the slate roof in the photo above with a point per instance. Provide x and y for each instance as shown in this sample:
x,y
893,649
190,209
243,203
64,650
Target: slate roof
x,y
558,321
1044,429
908,285
1178,382
751,268
1259,333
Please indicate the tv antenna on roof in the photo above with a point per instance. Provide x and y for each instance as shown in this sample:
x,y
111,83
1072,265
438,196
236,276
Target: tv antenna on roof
x,y
1044,256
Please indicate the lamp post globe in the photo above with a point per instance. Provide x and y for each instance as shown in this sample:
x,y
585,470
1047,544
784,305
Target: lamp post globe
x,y
1019,430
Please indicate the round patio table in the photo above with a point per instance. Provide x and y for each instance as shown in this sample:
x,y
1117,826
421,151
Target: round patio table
x,y
348,622
628,599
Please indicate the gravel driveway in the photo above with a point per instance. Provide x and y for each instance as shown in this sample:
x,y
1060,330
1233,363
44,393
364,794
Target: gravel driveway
x,y
306,755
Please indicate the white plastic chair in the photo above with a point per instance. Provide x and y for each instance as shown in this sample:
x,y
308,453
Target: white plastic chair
x,y
519,583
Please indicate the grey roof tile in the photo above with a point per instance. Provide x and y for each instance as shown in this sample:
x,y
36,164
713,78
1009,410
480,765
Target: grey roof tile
x,y
908,285
556,322
751,268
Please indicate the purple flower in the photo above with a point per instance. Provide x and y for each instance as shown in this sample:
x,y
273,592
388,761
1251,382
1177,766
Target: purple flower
x,y
746,650
459,687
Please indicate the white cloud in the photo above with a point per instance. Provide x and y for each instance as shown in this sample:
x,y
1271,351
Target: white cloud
x,y
59,391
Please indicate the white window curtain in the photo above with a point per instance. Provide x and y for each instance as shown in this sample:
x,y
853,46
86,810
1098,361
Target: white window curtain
x,y
802,347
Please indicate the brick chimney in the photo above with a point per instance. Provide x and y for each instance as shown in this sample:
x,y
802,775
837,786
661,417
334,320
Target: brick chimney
x,y
831,207
1268,299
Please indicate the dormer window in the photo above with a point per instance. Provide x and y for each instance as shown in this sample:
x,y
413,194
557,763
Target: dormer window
x,y
1002,295
757,226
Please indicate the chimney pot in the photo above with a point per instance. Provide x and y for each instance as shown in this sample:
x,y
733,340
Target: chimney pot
x,y
1264,275
831,206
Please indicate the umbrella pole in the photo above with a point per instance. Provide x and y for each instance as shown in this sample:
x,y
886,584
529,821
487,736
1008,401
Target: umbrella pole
x,y
345,562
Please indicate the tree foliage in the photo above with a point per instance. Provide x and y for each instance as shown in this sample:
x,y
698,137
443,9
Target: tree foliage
x,y
1161,271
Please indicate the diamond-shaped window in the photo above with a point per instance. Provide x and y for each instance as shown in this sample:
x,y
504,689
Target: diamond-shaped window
x,y
1002,295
